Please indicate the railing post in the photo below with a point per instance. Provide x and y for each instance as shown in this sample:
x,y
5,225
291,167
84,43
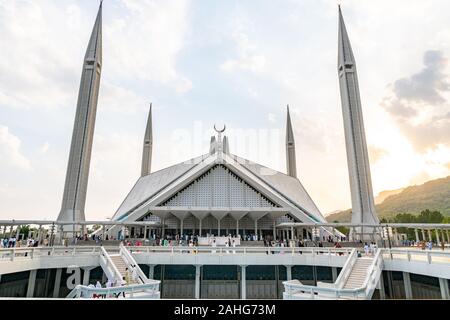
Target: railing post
x,y
429,257
408,254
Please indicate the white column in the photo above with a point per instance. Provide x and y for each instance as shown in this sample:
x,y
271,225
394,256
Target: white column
x,y
197,282
429,235
17,233
289,273
423,235
243,283
397,239
438,241
31,283
151,271
292,232
237,228
57,283
163,231
417,235
274,230
218,227
200,228
381,284
448,236
256,228
145,232
407,283
181,227
334,273
443,284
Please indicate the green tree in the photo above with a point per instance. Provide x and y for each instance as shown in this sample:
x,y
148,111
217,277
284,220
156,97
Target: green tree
x,y
428,216
344,230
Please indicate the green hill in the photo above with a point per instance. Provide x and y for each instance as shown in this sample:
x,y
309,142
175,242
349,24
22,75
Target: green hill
x,y
432,195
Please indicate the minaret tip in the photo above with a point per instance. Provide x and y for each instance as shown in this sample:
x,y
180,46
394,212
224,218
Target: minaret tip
x,y
146,166
291,165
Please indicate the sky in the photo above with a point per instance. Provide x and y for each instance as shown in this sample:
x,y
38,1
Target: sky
x,y
237,63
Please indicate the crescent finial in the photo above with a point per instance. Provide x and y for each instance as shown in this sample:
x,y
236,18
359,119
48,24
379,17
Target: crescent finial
x,y
220,131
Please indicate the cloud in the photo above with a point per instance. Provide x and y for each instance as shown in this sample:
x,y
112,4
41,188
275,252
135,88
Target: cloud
x,y
10,154
376,153
271,117
44,148
425,86
248,58
419,103
144,43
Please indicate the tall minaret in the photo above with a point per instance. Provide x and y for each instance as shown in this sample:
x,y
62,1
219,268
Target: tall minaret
x,y
148,147
291,164
363,208
74,197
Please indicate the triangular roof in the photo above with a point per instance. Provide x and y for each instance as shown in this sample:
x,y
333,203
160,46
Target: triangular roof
x,y
289,186
152,190
149,185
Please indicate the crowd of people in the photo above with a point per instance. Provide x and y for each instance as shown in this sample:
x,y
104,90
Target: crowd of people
x,y
128,279
13,242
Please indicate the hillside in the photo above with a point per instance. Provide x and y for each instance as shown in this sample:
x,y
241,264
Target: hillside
x,y
432,195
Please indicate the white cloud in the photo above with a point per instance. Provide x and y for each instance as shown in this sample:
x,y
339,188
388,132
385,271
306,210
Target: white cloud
x,y
248,56
44,148
10,154
145,42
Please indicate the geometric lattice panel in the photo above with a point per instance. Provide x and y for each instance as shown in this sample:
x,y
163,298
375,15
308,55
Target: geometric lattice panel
x,y
219,187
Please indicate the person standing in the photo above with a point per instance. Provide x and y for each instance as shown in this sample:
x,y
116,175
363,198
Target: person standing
x,y
134,275
214,245
366,249
127,276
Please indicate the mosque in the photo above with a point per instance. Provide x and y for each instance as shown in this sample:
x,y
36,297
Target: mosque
x,y
219,193
220,196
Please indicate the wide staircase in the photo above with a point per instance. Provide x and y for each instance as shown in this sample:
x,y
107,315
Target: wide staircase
x,y
358,274
123,269
357,280
117,266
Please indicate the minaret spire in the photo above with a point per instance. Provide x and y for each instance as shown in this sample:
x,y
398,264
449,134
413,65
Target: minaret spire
x,y
148,146
291,164
363,207
74,197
